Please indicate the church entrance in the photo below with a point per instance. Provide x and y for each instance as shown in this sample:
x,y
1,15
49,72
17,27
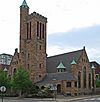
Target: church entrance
x,y
58,88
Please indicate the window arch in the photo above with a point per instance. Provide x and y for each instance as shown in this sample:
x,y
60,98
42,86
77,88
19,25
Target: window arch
x,y
84,77
89,81
14,71
79,79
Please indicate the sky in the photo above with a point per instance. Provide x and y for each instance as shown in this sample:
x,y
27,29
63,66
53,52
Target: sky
x,y
72,24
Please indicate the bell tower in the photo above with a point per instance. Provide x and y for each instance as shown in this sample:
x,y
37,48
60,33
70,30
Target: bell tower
x,y
32,51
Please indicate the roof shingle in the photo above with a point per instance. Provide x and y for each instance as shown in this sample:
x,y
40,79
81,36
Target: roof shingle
x,y
66,59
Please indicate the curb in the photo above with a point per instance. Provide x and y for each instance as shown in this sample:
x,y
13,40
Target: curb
x,y
78,98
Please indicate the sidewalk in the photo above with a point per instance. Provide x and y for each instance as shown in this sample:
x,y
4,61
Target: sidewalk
x,y
58,99
64,99
69,99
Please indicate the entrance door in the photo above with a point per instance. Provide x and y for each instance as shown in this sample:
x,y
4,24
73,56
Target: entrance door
x,y
58,88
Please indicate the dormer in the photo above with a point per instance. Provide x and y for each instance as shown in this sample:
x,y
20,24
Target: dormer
x,y
61,67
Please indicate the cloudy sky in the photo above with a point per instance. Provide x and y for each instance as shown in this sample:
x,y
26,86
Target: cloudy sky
x,y
72,24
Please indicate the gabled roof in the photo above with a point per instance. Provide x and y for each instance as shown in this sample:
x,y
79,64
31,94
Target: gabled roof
x,y
66,58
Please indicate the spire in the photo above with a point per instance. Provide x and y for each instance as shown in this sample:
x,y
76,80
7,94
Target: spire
x,y
24,4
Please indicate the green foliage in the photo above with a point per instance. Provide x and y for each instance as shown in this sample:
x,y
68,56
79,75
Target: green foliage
x,y
97,83
34,90
4,81
45,92
40,92
21,80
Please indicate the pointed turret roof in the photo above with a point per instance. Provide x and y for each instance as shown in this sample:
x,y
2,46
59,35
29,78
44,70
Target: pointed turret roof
x,y
24,4
73,62
92,66
5,69
61,65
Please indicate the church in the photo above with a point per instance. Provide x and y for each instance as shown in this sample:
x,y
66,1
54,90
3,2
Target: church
x,y
70,72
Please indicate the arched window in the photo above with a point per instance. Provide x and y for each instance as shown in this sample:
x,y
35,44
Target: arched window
x,y
84,77
79,79
14,71
89,81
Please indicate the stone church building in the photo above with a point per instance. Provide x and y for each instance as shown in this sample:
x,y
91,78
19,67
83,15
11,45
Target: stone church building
x,y
71,72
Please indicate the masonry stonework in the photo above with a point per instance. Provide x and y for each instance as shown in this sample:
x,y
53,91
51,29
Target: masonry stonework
x,y
71,68
32,48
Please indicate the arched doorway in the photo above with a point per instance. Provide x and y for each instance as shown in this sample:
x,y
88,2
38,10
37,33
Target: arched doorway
x,y
58,88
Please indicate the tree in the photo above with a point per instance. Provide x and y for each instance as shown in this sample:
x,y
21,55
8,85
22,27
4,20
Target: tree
x,y
21,81
4,81
98,83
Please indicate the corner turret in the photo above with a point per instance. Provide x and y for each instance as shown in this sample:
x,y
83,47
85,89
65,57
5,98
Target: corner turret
x,y
74,67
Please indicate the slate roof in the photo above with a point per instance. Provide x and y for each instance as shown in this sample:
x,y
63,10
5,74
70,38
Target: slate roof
x,y
58,76
66,59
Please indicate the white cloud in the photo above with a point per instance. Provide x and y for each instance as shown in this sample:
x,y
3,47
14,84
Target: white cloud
x,y
94,54
56,49
63,15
